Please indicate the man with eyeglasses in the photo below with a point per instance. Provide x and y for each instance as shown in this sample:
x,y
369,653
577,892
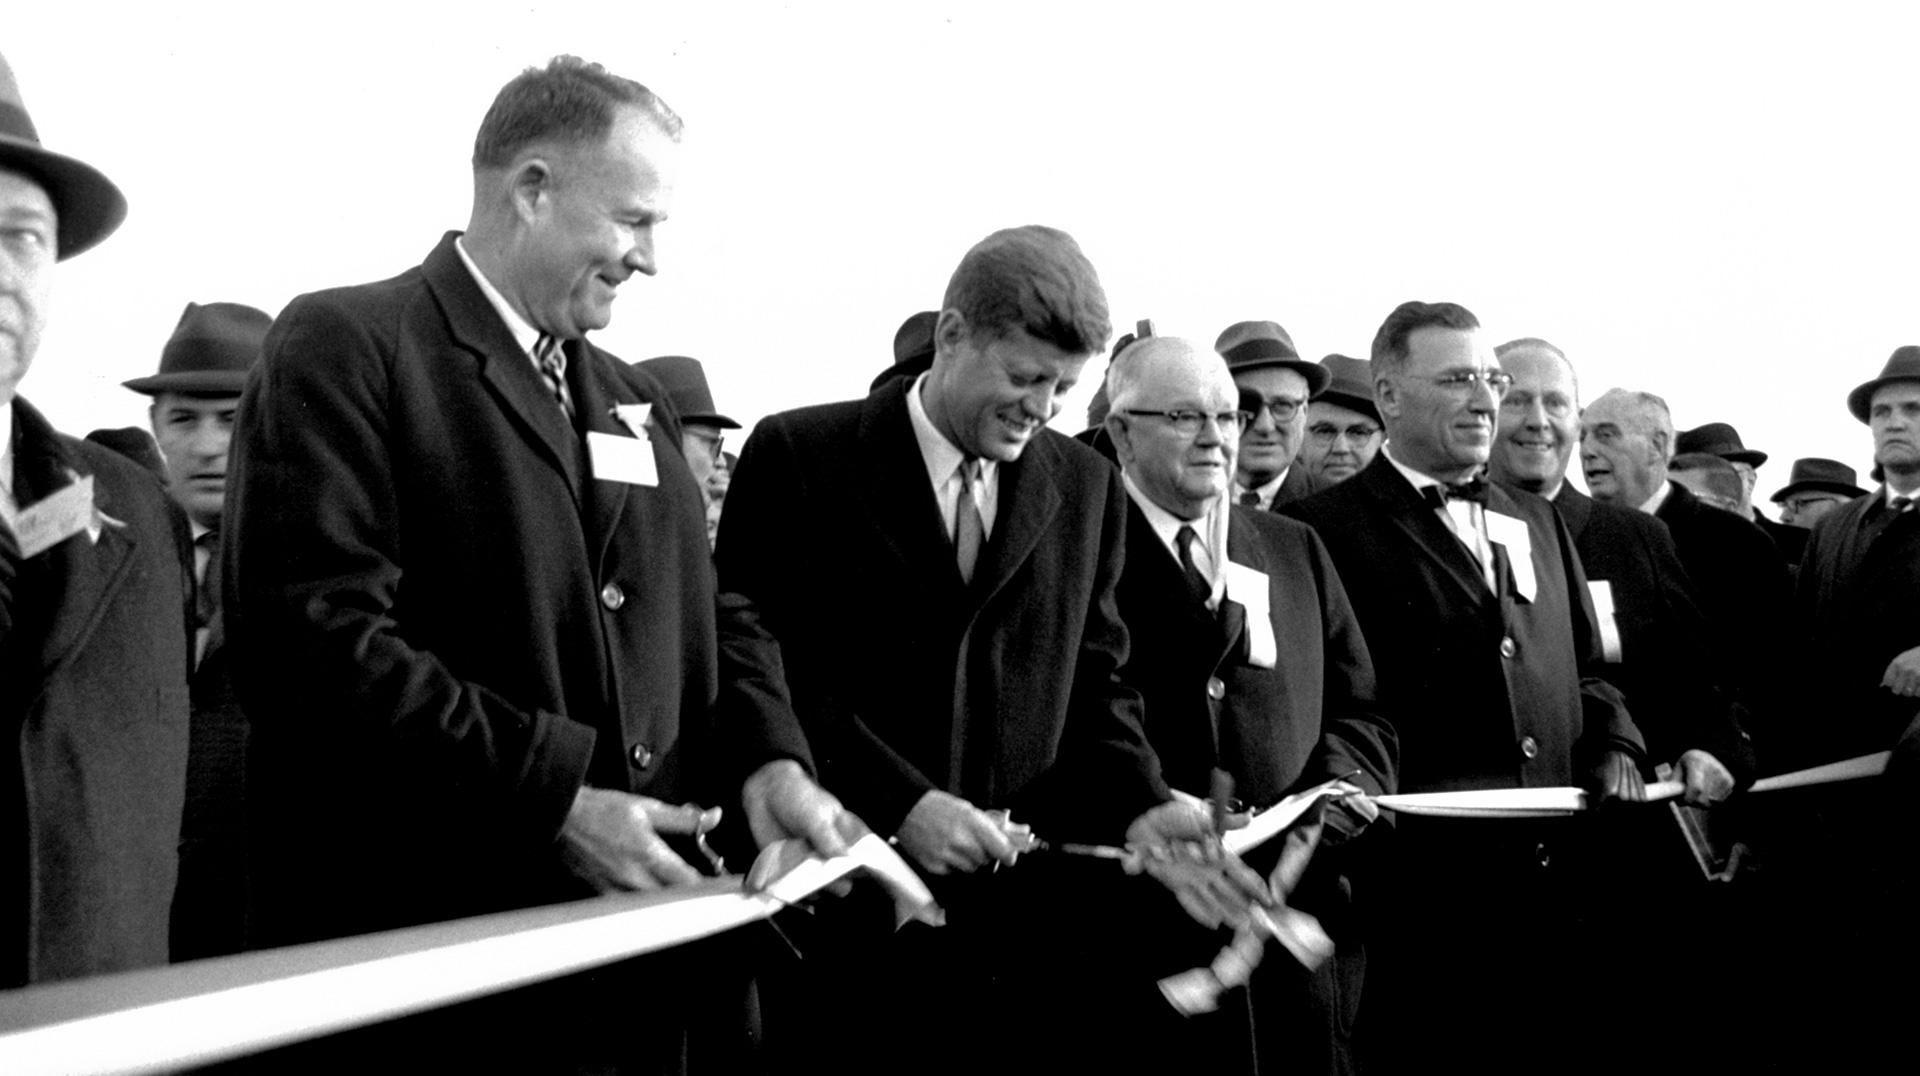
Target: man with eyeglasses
x,y
1478,619
1249,659
1275,384
1815,488
703,429
1343,426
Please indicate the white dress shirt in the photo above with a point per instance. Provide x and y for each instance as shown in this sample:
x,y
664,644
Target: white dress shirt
x,y
943,461
1266,492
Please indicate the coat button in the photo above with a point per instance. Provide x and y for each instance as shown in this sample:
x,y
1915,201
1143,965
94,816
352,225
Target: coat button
x,y
1216,688
612,596
1529,747
642,756
1543,856
1506,647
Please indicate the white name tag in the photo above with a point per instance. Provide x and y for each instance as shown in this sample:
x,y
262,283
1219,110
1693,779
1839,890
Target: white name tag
x,y
1515,535
1602,592
1248,586
622,459
56,518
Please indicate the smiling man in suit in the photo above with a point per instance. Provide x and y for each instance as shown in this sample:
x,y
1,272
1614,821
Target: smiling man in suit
x,y
1250,660
950,636
1477,616
478,633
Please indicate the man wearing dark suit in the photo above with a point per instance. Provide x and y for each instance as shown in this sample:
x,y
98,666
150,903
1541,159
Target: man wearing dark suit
x,y
93,629
1722,440
950,636
1482,633
195,393
1276,383
1249,659
1737,574
475,621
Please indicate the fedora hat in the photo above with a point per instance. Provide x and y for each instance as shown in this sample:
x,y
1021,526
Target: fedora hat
x,y
1815,474
90,207
1250,345
686,384
1904,365
210,351
1718,439
1351,386
912,348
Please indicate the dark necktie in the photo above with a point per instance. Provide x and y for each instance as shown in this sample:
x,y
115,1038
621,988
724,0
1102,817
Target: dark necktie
x,y
968,528
1250,499
206,590
9,572
552,357
1197,584
1899,505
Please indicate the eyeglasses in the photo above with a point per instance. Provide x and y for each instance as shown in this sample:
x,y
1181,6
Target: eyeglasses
x,y
1553,403
714,440
1282,408
1462,382
1188,423
1801,503
1326,433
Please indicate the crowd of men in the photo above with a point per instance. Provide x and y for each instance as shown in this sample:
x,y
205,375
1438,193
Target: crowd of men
x,y
417,605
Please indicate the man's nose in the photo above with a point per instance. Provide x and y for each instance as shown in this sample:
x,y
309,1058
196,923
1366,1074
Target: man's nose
x,y
211,438
640,255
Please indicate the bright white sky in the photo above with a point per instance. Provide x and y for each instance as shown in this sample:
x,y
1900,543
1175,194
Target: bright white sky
x,y
1715,202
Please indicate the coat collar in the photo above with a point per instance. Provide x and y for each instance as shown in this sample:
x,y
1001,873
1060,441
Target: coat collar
x,y
1575,507
1407,510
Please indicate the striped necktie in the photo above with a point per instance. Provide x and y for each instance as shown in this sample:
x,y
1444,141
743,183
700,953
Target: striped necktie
x,y
552,359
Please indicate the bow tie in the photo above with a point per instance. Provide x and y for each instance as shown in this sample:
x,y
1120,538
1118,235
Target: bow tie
x,y
1473,489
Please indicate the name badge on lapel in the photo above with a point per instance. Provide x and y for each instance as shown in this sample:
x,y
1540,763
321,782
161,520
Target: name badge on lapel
x,y
1602,592
57,517
1518,538
1248,586
625,459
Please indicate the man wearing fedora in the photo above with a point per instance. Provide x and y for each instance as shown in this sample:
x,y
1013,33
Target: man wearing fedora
x,y
1722,440
94,591
1275,384
1816,487
703,429
195,394
1343,425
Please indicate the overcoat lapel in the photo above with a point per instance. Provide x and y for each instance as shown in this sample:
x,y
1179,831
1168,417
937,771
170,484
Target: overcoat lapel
x,y
593,401
1412,515
898,497
1029,499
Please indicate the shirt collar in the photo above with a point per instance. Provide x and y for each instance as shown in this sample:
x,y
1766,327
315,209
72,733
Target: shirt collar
x,y
1888,493
1420,481
1267,490
1210,529
6,450
941,456
523,334
1659,498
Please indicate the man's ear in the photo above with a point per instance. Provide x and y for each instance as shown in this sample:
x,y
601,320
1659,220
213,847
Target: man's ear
x,y
530,184
1661,446
1122,435
1386,396
949,332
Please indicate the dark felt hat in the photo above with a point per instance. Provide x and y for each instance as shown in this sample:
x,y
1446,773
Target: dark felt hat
x,y
1903,366
1352,385
686,384
137,445
210,351
1718,439
912,348
1814,474
1250,345
89,205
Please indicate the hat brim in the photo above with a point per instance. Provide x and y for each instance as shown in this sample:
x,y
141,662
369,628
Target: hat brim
x,y
1363,404
207,382
1318,377
721,421
1817,486
89,205
1860,399
1745,455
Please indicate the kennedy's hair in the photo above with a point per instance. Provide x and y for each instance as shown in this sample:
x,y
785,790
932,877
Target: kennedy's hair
x,y
1390,343
569,101
1032,278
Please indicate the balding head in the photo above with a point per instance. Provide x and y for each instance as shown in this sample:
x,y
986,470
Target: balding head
x,y
1539,417
1185,473
1625,443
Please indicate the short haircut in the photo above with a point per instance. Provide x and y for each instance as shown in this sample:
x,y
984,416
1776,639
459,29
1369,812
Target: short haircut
x,y
1722,480
1130,366
569,101
1652,411
1390,343
1035,279
1541,345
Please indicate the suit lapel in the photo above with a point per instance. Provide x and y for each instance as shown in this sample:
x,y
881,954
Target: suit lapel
x,y
1029,499
899,497
1403,505
594,396
1575,508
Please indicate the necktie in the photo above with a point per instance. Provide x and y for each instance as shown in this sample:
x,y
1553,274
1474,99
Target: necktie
x,y
547,351
1197,583
1899,504
1473,489
9,571
206,594
1250,499
968,528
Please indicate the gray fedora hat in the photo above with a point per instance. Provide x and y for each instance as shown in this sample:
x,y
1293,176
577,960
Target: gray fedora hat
x,y
1718,439
1904,365
89,205
1250,345
210,351
1352,385
686,383
1823,475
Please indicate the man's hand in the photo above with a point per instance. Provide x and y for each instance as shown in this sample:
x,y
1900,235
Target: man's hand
x,y
782,801
1903,674
1617,778
944,833
1215,888
612,839
1349,814
1708,782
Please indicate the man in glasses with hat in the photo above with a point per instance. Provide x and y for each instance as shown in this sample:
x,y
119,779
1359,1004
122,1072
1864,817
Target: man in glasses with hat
x,y
1815,489
1722,440
93,624
195,394
703,429
1275,385
1343,425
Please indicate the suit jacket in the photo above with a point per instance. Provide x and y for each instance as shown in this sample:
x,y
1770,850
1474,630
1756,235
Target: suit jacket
x,y
93,678
210,906
1789,539
1677,696
1858,592
1486,690
1004,692
1742,585
444,625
